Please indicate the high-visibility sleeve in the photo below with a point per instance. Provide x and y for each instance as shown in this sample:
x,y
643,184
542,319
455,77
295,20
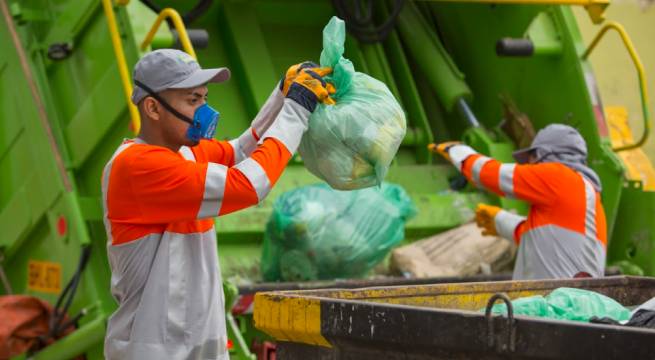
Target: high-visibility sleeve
x,y
229,153
507,225
168,188
530,182
533,183
273,157
219,152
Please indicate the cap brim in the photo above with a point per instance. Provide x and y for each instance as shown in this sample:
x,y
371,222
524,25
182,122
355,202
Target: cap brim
x,y
202,77
138,94
522,156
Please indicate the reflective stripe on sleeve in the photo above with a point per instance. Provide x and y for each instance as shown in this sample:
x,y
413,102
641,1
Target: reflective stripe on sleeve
x,y
214,190
590,210
506,179
257,177
477,169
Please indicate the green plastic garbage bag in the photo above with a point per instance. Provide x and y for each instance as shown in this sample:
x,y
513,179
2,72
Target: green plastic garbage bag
x,y
531,306
316,232
567,304
350,145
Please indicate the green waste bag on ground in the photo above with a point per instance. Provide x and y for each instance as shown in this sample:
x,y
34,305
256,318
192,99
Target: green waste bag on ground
x,y
351,144
567,304
316,232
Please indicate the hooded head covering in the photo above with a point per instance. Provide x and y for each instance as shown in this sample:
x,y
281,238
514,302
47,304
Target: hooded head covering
x,y
563,144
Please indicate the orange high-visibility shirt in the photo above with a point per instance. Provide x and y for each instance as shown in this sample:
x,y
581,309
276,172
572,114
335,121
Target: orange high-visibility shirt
x,y
565,230
159,208
150,188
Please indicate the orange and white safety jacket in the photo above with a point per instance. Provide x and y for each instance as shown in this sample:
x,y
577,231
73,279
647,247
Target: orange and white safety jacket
x,y
565,231
159,208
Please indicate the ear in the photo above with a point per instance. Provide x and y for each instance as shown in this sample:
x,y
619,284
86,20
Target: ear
x,y
151,108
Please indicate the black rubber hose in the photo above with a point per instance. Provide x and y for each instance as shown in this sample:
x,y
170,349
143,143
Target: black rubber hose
x,y
157,9
68,294
199,9
361,25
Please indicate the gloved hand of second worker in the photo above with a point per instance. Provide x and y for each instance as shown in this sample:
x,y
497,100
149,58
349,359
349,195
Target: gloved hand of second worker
x,y
485,218
308,88
443,148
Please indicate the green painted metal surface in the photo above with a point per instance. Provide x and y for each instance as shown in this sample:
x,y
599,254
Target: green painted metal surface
x,y
40,216
85,110
548,89
633,240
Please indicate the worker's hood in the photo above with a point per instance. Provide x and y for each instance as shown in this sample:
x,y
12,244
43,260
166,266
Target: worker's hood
x,y
563,144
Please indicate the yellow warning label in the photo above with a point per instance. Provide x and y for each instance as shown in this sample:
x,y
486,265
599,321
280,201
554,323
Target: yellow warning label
x,y
44,276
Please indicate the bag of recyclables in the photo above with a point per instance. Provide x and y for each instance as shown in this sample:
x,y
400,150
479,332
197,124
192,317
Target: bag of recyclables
x,y
351,144
316,232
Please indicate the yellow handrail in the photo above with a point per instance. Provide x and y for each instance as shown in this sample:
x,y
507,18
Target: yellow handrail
x,y
595,8
640,73
179,26
122,64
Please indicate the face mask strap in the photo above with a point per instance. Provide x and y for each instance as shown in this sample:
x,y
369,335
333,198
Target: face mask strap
x,y
164,103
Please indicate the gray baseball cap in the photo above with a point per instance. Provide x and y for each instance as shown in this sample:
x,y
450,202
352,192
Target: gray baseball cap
x,y
172,69
554,139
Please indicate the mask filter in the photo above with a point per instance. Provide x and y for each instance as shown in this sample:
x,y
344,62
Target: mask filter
x,y
205,118
204,123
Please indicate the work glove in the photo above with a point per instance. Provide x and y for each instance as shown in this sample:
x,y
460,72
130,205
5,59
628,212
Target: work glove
x,y
273,104
308,88
296,70
292,72
246,143
443,148
485,218
453,151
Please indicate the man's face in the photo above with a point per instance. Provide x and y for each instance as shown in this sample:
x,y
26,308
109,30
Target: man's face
x,y
186,101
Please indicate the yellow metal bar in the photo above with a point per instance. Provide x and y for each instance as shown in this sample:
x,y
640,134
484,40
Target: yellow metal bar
x,y
641,73
122,64
595,8
291,318
179,26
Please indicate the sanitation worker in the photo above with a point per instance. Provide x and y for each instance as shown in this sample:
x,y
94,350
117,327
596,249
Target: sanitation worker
x,y
564,234
162,190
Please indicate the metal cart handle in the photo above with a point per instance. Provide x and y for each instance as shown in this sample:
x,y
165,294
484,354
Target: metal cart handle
x,y
511,329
